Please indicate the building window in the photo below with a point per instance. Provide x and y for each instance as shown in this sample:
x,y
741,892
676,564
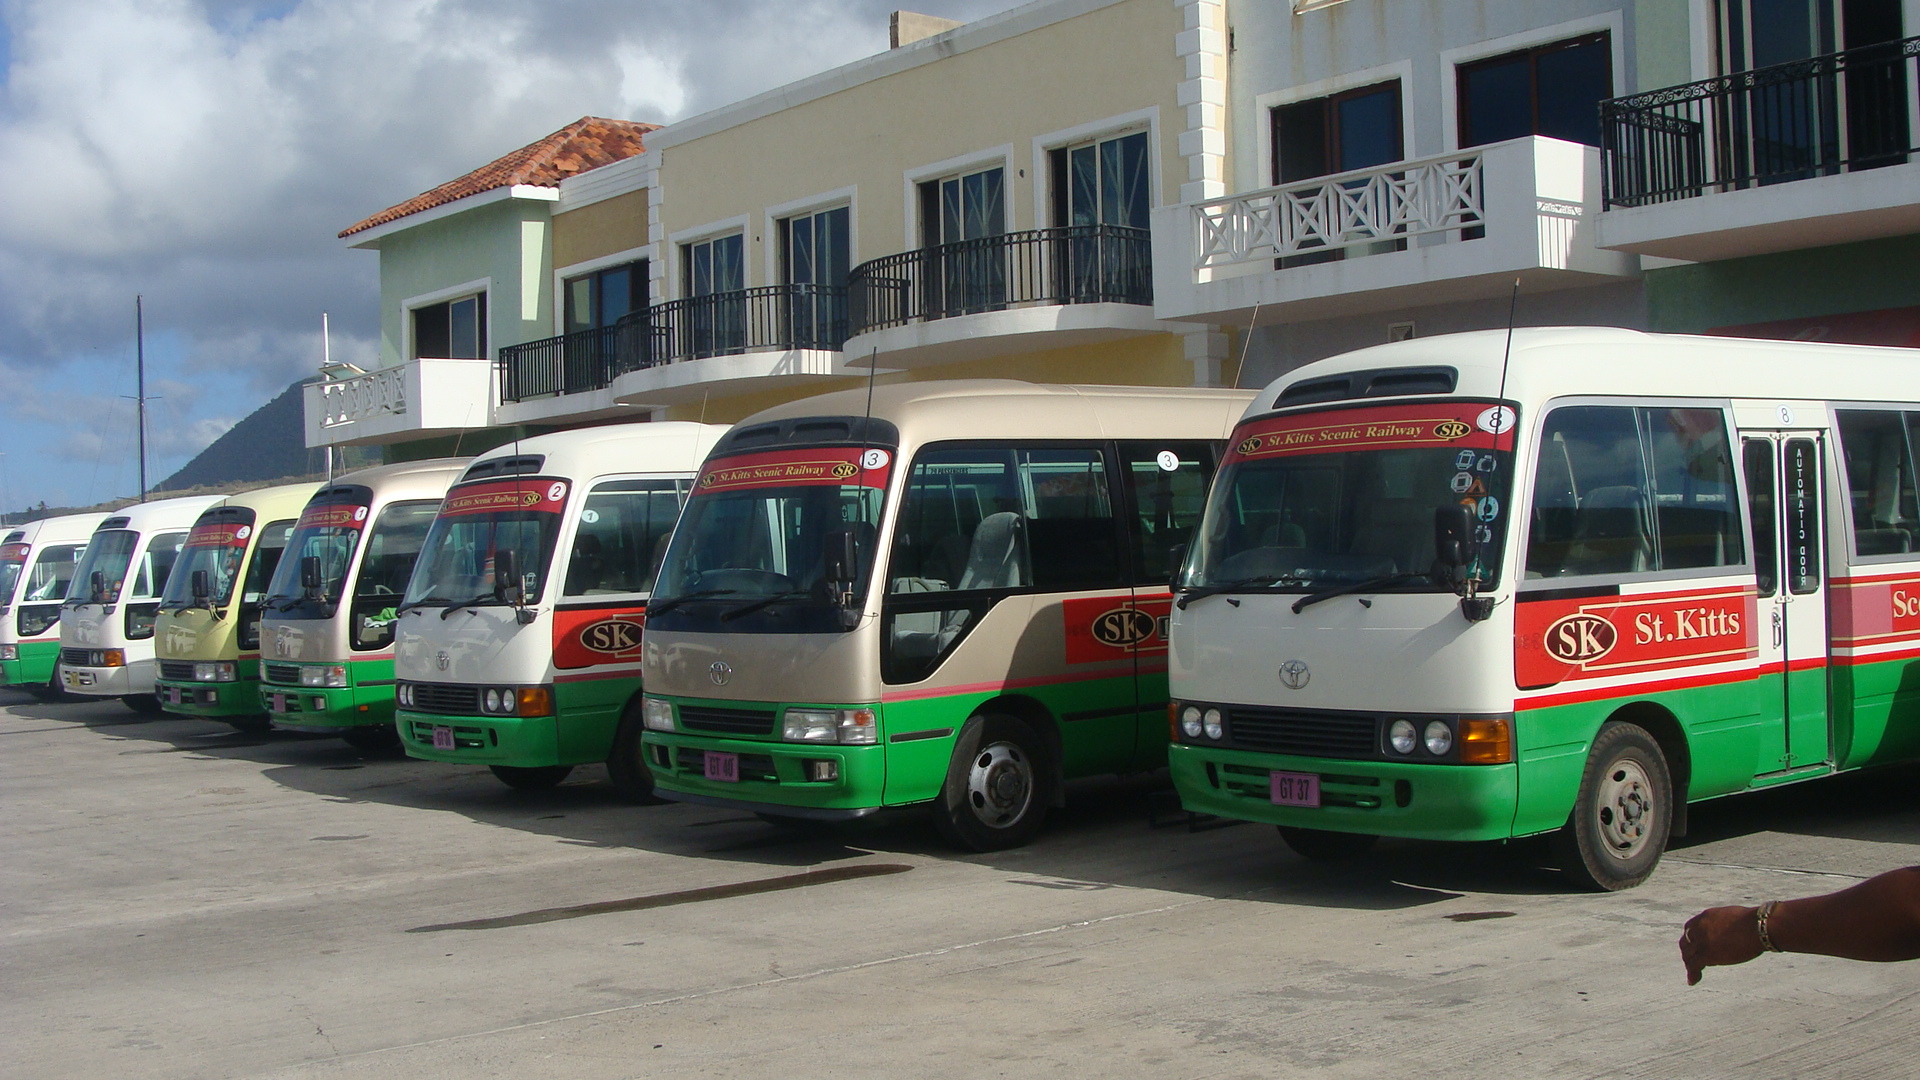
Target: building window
x,y
715,273
1553,90
604,296
1355,129
451,329
965,214
815,253
1102,183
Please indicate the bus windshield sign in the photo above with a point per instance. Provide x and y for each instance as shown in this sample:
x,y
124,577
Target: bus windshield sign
x,y
793,468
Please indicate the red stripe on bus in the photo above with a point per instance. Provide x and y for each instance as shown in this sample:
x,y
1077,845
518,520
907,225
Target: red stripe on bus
x,y
1856,660
1602,693
587,676
1004,684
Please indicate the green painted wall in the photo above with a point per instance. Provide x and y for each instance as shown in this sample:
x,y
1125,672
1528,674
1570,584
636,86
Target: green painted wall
x,y
1662,45
1868,276
507,243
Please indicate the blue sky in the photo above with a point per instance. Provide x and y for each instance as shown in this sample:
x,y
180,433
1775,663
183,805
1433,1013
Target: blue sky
x,y
205,153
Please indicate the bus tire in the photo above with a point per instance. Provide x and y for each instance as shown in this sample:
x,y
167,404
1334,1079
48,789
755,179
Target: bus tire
x,y
627,764
372,738
998,787
1325,845
1622,815
531,778
144,704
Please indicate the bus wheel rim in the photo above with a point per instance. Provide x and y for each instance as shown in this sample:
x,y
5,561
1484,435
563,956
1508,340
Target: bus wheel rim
x,y
999,785
1625,809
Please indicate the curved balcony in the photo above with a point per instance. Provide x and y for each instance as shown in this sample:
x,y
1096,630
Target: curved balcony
x,y
1016,292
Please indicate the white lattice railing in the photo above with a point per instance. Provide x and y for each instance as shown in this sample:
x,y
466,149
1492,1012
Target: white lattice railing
x,y
1390,202
376,393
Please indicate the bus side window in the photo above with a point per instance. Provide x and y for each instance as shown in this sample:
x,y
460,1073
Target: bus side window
x,y
1072,538
1880,487
1590,509
1764,512
1698,521
1167,503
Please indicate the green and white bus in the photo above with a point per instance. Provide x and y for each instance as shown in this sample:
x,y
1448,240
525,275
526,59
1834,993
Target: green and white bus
x,y
1461,589
36,567
326,642
518,642
955,600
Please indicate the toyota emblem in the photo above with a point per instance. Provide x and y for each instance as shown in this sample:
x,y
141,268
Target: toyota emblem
x,y
1294,674
441,661
721,672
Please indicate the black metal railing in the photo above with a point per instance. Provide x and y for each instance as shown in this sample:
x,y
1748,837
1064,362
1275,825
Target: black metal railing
x,y
1076,264
770,318
1816,117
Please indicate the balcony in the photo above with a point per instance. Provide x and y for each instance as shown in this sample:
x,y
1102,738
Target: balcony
x,y
1798,155
995,295
676,352
1435,230
420,399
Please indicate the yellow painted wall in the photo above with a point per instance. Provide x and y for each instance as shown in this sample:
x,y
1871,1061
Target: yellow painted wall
x,y
1116,60
600,229
1148,360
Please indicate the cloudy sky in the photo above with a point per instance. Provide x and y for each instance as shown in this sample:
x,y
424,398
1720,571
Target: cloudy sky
x,y
204,153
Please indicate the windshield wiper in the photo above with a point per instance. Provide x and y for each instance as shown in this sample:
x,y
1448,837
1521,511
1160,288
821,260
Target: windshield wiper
x,y
1368,585
766,601
484,598
661,607
1188,596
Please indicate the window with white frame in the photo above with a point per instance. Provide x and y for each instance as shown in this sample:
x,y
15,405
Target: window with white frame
x,y
713,273
1553,90
451,329
815,253
605,296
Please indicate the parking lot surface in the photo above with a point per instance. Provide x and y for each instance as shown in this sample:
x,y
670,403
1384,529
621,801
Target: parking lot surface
x,y
178,899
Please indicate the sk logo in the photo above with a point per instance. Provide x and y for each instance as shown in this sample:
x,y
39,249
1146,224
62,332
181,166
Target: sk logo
x,y
1580,638
610,636
1122,627
1250,445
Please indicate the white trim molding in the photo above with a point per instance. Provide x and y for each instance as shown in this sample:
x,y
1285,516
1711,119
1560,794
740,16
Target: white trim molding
x,y
961,165
1147,120
712,230
811,204
370,238
572,270
478,286
1202,45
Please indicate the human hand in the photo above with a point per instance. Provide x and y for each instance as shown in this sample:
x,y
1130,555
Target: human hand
x,y
1717,937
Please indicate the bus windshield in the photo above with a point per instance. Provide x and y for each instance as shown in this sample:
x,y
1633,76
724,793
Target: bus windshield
x,y
476,522
108,556
1320,500
750,553
328,531
217,545
12,558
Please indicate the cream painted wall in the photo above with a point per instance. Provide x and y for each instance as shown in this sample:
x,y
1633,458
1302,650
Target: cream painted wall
x,y
1106,63
600,229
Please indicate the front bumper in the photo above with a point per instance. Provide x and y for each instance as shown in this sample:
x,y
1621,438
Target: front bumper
x,y
524,742
135,678
773,775
213,699
326,710
1384,798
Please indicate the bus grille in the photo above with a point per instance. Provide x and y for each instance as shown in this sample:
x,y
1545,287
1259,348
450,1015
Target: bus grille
x,y
1329,735
284,674
449,698
727,721
77,657
176,670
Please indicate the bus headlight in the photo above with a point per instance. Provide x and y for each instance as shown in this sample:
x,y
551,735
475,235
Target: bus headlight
x,y
1214,724
403,694
656,714
9,652
1439,738
219,671
1190,722
334,675
851,727
1401,736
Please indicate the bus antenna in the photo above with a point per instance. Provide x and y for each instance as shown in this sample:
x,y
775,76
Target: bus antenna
x,y
1513,305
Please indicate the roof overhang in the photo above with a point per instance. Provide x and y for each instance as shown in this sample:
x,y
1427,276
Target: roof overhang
x,y
370,238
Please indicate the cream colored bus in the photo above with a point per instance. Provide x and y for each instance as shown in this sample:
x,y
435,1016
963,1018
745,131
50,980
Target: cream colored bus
x,y
956,600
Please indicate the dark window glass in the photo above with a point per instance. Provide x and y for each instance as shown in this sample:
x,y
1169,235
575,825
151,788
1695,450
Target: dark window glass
x,y
1357,129
455,329
605,296
1764,512
1167,503
622,536
1802,473
1590,506
1697,517
392,548
1553,90
1880,487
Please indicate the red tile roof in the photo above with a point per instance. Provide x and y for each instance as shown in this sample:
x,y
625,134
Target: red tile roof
x,y
585,144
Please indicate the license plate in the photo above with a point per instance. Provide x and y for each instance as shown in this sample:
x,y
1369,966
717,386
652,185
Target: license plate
x,y
1295,789
443,738
175,696
78,678
723,767
277,702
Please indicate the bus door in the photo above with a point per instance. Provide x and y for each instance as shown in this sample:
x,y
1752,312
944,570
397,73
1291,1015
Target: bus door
x,y
1166,491
1784,471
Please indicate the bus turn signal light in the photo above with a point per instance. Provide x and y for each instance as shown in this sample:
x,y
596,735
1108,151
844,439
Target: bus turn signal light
x,y
536,701
1486,741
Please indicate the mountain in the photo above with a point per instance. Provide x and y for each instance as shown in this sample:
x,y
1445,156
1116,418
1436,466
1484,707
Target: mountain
x,y
268,445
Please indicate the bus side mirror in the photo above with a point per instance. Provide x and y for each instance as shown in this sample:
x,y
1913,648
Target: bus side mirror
x,y
506,581
98,582
310,573
202,587
843,556
1453,540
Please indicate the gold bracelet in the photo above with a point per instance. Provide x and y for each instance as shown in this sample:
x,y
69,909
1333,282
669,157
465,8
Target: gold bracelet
x,y
1760,921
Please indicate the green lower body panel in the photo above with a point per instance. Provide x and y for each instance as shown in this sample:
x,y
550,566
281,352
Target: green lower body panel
x,y
521,742
329,709
1428,802
34,669
772,775
214,700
